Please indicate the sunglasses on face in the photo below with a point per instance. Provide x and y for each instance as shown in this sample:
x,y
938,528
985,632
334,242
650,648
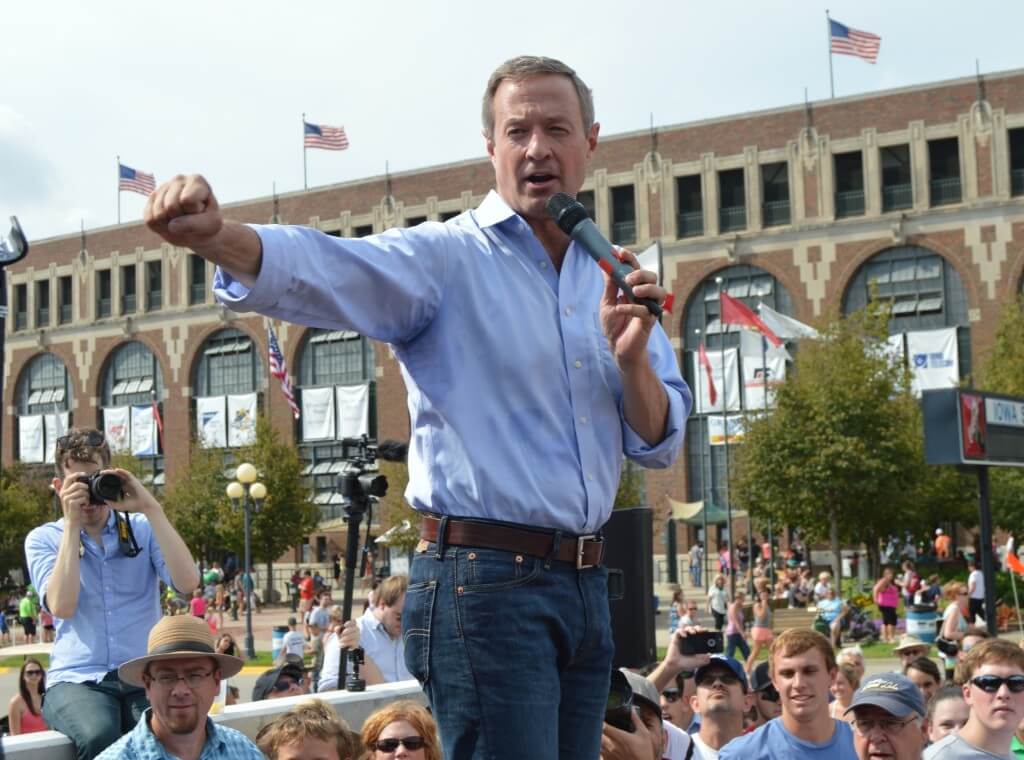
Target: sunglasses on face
x,y
286,684
769,694
671,695
390,745
93,438
991,684
33,672
708,679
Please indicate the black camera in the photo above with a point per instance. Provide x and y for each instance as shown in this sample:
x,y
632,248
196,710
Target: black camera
x,y
356,659
702,642
618,710
104,487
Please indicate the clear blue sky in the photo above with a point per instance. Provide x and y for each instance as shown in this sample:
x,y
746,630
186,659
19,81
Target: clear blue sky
x,y
219,87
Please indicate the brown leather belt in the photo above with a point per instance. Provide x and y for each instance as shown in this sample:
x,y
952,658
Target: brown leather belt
x,y
581,551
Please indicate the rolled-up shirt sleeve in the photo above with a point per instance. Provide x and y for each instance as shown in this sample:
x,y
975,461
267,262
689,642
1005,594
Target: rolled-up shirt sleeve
x,y
387,287
41,555
680,402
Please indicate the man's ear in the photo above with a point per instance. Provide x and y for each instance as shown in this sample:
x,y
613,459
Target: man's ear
x,y
56,484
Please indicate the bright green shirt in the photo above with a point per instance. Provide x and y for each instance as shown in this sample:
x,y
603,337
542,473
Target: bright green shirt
x,y
1017,748
27,608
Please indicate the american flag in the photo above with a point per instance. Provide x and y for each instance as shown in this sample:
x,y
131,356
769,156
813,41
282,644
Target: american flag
x,y
847,41
280,370
134,181
322,136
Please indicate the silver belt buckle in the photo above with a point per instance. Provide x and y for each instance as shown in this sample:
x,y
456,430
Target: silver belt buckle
x,y
580,540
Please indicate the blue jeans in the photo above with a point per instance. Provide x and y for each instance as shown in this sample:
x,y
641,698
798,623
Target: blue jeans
x,y
514,656
94,715
736,641
695,575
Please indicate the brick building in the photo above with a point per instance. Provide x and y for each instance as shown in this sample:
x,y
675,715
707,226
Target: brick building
x,y
918,190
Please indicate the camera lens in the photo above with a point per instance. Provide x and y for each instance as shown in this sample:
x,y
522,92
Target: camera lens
x,y
104,487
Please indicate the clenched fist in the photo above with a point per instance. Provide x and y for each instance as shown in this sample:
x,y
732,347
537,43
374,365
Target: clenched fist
x,y
184,212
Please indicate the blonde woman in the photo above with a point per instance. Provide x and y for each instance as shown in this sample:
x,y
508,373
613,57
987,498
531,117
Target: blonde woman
x,y
847,681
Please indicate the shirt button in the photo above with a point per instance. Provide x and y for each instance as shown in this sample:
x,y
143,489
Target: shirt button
x,y
590,477
577,364
568,311
583,419
543,264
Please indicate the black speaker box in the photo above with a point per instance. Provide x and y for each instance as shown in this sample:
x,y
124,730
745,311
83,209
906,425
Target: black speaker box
x,y
628,537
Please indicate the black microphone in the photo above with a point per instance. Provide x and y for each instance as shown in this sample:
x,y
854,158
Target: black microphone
x,y
572,219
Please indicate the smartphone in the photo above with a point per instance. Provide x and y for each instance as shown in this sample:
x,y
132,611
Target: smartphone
x,y
704,642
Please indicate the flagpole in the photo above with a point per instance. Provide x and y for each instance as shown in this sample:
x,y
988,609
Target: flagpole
x,y
118,189
705,444
725,426
305,182
831,81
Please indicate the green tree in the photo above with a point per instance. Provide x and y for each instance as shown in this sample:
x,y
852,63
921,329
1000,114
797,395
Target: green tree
x,y
840,456
1003,372
287,515
25,503
394,509
197,504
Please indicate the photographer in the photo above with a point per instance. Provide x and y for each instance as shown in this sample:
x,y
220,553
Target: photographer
x,y
646,739
98,572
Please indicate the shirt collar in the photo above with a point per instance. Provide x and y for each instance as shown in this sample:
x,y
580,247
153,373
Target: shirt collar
x,y
147,735
493,210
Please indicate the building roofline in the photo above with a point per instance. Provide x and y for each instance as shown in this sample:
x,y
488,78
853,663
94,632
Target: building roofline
x,y
816,104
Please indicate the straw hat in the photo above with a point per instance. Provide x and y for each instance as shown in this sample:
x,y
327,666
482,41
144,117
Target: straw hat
x,y
910,641
176,637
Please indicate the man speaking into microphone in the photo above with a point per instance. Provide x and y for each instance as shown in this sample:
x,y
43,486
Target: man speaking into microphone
x,y
529,377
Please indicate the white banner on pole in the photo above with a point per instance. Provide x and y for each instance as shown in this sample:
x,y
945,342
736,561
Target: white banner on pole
x,y
30,438
117,428
211,422
732,381
761,369
318,423
143,431
56,426
242,419
934,359
353,410
717,425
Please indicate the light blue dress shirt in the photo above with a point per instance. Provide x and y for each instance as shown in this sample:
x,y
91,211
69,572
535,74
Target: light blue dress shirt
x,y
387,653
515,400
118,602
222,743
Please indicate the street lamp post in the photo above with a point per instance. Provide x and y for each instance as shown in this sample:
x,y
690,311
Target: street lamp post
x,y
245,492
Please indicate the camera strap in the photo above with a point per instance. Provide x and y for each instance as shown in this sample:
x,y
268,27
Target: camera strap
x,y
125,535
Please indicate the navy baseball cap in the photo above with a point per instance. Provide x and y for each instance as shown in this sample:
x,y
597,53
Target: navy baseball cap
x,y
760,679
892,692
720,660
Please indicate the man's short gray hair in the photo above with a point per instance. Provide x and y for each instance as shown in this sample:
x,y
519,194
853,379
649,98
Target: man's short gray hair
x,y
524,66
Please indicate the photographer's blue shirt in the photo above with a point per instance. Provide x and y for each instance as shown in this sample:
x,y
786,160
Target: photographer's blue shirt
x,y
118,601
772,741
515,400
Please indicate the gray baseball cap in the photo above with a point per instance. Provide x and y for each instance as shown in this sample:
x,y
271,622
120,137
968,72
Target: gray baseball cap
x,y
894,693
643,690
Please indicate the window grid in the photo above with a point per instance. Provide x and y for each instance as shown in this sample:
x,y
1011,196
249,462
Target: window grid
x,y
20,306
154,285
103,305
197,280
128,300
43,388
43,303
65,304
132,376
228,365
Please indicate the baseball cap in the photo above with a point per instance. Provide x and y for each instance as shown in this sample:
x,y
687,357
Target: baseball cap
x,y
643,690
760,679
892,692
728,662
292,621
265,683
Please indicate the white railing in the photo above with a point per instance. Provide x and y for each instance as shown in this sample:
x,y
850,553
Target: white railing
x,y
249,717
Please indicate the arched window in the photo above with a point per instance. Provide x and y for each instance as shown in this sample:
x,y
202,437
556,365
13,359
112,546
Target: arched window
x,y
331,358
926,293
227,364
706,464
42,399
131,377
44,386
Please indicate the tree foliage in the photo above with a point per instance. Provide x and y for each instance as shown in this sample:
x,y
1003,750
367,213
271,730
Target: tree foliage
x,y
25,503
841,456
1003,372
394,509
197,504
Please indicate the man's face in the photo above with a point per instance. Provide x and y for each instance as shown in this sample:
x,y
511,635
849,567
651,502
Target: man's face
x,y
949,715
879,734
539,146
652,721
768,704
179,708
926,683
325,599
996,711
675,704
288,684
94,516
907,656
719,694
391,616
803,683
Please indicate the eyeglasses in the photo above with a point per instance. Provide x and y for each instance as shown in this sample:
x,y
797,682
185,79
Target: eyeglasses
x,y
769,694
91,438
287,684
991,684
390,745
33,672
708,679
671,695
889,726
192,680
